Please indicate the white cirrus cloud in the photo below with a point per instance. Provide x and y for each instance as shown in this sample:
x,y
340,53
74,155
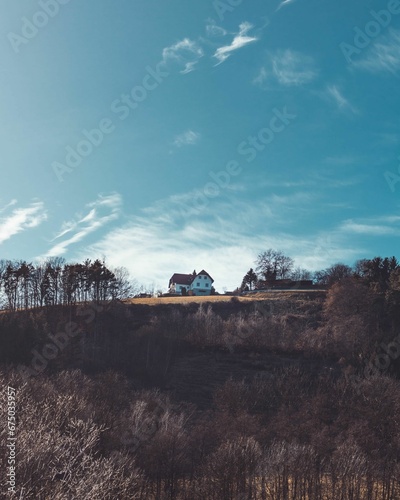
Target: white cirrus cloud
x,y
284,3
383,56
172,235
240,40
98,213
213,30
186,53
375,226
187,138
289,68
10,204
261,77
20,219
335,94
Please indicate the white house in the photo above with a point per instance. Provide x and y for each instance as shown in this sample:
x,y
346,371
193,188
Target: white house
x,y
196,283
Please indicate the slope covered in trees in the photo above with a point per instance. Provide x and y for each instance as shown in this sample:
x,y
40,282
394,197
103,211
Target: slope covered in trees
x,y
24,285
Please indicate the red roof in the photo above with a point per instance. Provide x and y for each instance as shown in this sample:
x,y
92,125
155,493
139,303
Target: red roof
x,y
186,279
181,279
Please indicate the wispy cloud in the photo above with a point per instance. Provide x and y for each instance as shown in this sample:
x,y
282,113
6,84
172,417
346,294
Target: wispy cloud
x,y
284,3
187,138
378,226
289,68
240,40
160,240
98,213
186,53
20,219
383,56
353,227
213,30
285,184
6,207
330,179
334,94
261,77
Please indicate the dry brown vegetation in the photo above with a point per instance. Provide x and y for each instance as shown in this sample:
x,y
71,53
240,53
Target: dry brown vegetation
x,y
287,437
285,397
277,295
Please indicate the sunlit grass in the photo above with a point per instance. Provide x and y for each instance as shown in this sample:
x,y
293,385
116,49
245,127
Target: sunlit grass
x,y
221,298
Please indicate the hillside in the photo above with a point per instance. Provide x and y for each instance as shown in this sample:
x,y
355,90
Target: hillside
x,y
113,334
162,393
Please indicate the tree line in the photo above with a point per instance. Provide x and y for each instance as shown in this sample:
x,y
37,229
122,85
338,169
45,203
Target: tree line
x,y
25,285
273,265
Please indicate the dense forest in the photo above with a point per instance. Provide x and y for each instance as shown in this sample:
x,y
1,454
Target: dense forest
x,y
278,396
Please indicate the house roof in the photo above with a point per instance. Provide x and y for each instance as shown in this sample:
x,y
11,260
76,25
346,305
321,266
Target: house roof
x,y
186,279
181,279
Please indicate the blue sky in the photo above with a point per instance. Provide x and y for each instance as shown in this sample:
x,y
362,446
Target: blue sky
x,y
172,136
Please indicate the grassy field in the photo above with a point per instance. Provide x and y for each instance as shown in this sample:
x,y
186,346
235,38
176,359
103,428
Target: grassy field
x,y
277,295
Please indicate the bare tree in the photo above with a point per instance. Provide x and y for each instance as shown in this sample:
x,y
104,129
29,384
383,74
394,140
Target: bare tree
x,y
333,274
273,264
123,288
300,273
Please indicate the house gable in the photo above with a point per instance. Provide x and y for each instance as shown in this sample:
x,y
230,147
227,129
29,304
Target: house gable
x,y
202,284
206,274
199,284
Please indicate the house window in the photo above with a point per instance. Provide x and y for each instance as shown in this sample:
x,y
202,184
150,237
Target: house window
x,y
206,284
198,284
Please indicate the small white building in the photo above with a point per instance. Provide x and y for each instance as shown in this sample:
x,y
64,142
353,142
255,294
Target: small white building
x,y
196,283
